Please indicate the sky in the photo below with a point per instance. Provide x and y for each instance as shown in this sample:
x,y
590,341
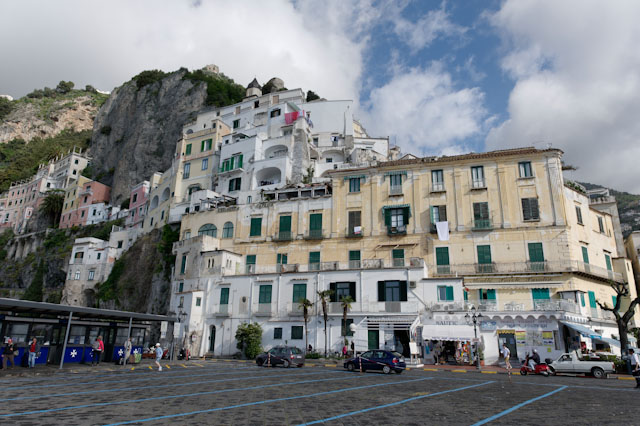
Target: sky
x,y
437,77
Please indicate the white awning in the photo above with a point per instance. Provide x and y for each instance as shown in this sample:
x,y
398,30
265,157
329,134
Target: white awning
x,y
447,332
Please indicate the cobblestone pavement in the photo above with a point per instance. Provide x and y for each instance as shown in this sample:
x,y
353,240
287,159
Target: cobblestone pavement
x,y
234,393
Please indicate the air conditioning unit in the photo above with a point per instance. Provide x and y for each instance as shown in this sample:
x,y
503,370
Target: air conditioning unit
x,y
412,284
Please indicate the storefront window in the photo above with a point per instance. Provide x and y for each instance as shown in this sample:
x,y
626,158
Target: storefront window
x,y
42,332
77,335
18,332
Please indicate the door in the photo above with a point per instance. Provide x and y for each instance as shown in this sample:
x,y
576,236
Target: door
x,y
212,338
367,360
379,360
510,340
373,339
401,340
536,257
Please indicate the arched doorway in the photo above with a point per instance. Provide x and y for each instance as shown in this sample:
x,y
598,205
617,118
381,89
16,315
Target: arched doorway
x,y
212,338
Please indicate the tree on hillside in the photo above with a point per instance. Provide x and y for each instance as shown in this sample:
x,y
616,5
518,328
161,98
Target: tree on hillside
x,y
52,205
324,296
312,96
622,318
64,86
34,291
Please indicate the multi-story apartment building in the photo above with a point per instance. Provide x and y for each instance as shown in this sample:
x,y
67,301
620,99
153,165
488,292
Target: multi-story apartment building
x,y
138,204
534,256
85,202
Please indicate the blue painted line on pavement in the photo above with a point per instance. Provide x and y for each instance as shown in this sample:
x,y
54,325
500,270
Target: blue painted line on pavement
x,y
172,385
404,401
515,407
155,398
267,401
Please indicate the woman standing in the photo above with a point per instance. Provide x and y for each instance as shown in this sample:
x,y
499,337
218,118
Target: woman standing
x,y
8,354
33,352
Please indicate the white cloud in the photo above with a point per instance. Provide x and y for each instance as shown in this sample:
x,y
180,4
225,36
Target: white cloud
x,y
425,112
576,66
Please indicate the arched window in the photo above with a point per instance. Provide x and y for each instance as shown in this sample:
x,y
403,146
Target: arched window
x,y
227,230
209,229
154,202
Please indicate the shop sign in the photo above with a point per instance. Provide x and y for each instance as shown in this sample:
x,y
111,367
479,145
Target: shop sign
x,y
488,325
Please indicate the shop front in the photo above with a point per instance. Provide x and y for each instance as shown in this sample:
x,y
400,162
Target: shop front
x,y
449,339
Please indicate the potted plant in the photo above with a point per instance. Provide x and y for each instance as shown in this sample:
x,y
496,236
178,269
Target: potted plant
x,y
481,355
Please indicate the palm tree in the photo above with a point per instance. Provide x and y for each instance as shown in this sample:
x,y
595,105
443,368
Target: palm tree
x,y
324,295
52,205
306,304
346,305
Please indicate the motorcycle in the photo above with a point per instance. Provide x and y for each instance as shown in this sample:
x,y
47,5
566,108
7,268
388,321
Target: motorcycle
x,y
540,368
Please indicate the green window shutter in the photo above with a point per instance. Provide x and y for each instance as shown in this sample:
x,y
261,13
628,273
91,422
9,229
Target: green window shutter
x,y
585,255
224,296
334,295
251,259
201,146
315,222
442,256
465,293
535,252
183,265
387,218
285,224
449,293
314,257
398,253
281,259
607,259
381,291
491,294
582,299
352,290
188,150
540,293
406,214
592,299
403,291
484,255
231,161
615,300
354,185
354,254
299,292
239,165
296,332
265,294
256,227
432,215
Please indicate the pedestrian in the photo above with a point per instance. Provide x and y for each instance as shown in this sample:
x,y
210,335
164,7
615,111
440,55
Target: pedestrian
x,y
9,353
98,347
506,353
158,356
310,348
353,348
34,349
344,351
127,351
635,362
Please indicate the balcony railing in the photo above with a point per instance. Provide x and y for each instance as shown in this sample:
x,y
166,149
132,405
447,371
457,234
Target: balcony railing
x,y
314,234
395,190
224,310
482,224
283,236
355,264
264,309
397,230
295,309
398,263
352,233
485,268
550,305
414,262
437,187
478,184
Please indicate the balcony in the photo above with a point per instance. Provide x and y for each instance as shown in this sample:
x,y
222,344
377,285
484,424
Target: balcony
x,y
264,310
399,230
224,310
482,225
484,268
295,309
395,190
250,269
478,184
283,236
443,269
355,264
354,232
392,307
314,234
437,187
398,263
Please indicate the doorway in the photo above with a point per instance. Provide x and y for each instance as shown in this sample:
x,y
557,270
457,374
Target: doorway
x,y
510,339
212,338
373,339
401,340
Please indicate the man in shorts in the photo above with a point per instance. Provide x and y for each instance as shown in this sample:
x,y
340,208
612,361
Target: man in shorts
x,y
506,353
158,356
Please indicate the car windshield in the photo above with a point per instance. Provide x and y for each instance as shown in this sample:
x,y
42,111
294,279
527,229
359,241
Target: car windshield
x,y
296,351
396,354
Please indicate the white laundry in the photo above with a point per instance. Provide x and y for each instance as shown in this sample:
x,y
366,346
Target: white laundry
x,y
443,230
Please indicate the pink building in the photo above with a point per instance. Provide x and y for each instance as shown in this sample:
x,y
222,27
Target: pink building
x,y
138,204
90,193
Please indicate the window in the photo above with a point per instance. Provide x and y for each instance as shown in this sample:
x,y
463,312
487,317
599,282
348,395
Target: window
x,y
250,263
315,141
354,223
276,112
205,163
607,260
530,209
206,145
392,291
181,303
208,229
162,215
477,177
395,180
445,293
120,244
277,333
315,225
284,230
180,287
234,184
540,294
82,213
99,255
329,160
600,224
188,149
187,170
91,275
227,230
299,292
77,275
340,290
314,261
438,214
297,332
592,300
281,259
183,264
585,255
346,328
256,227
198,301
525,169
536,257
354,259
579,215
481,216
135,198
582,299
354,184
396,218
256,104
484,259
614,299
236,123
437,180
442,260
398,257
265,294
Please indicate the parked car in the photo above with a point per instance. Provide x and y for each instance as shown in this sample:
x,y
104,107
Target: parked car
x,y
385,361
573,363
281,355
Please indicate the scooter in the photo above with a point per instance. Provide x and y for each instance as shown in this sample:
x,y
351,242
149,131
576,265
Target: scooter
x,y
541,368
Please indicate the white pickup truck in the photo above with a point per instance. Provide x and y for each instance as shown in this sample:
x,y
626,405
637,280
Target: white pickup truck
x,y
572,363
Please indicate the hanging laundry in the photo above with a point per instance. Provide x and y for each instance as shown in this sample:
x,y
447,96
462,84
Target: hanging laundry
x,y
443,230
288,118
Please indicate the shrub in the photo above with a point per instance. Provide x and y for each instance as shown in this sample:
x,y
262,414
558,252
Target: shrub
x,y
6,106
64,86
221,90
34,291
148,77
249,337
105,130
312,355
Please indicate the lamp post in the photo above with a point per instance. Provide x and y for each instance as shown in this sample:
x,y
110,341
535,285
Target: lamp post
x,y
181,317
473,318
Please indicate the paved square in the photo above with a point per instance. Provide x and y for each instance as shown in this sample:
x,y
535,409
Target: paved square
x,y
233,393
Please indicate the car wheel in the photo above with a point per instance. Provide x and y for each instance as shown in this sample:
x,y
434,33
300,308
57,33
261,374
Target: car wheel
x,y
598,372
386,369
351,367
285,363
545,373
523,372
259,361
398,371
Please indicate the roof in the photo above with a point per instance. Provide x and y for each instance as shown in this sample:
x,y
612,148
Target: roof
x,y
254,85
15,306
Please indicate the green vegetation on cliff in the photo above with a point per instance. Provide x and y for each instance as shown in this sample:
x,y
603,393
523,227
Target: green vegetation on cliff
x,y
221,90
19,160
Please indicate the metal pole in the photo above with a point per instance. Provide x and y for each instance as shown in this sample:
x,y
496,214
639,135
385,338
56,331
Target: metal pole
x,y
129,330
475,333
66,339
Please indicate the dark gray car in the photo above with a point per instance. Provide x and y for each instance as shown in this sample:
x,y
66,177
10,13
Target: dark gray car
x,y
286,356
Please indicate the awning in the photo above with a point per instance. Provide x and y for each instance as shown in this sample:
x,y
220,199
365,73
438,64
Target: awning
x,y
585,331
447,332
354,177
608,340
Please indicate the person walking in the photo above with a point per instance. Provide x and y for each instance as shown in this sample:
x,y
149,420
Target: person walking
x,y
158,356
34,348
98,348
127,351
8,354
506,353
635,363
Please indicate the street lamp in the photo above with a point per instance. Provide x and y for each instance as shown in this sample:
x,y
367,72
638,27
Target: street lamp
x,y
475,317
